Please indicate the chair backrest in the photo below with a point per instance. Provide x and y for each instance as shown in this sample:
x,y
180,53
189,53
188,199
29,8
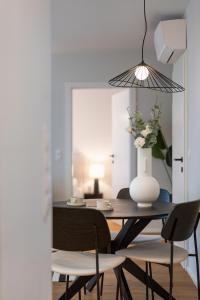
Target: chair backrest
x,y
164,195
124,194
79,229
181,221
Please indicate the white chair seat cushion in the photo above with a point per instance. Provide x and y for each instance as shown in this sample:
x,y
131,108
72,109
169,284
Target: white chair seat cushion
x,y
141,238
83,263
154,252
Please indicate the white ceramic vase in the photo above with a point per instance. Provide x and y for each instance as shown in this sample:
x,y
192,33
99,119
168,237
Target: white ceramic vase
x,y
144,189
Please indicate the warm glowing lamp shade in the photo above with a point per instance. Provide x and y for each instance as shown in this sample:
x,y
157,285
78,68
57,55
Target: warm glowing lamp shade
x,y
96,171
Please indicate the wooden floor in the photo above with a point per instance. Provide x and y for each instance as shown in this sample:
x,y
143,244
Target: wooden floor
x,y
184,288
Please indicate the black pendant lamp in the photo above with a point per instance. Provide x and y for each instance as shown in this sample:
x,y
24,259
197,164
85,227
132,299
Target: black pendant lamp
x,y
145,76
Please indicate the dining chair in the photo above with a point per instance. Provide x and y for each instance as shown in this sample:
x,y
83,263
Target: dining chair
x,y
76,232
180,225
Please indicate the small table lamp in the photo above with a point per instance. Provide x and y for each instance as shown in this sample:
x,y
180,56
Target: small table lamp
x,y
96,171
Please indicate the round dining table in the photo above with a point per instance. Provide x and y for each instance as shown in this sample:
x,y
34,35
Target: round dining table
x,y
137,219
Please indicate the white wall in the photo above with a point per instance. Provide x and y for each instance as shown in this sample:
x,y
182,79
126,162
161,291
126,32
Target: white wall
x,y
95,68
25,237
193,65
92,136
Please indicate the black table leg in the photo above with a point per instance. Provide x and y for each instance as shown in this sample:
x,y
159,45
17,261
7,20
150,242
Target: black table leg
x,y
138,273
123,283
129,232
91,284
75,287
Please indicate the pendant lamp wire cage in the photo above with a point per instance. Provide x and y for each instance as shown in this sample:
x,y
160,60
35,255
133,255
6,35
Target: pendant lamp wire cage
x,y
145,76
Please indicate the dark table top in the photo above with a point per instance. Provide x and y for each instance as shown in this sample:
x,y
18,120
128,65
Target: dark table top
x,y
128,209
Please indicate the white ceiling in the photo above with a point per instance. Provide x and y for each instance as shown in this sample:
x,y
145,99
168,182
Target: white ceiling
x,y
107,25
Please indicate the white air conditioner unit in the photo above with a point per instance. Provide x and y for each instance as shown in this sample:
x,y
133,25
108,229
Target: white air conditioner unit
x,y
170,40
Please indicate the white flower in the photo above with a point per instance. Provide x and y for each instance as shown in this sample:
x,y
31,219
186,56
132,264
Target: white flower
x,y
148,128
139,142
146,131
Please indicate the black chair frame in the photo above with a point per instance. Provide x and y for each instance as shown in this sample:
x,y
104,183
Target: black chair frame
x,y
77,229
176,229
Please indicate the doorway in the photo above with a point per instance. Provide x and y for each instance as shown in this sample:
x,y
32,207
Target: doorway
x,y
101,145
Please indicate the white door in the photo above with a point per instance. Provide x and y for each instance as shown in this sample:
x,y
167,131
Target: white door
x,y
179,135
124,153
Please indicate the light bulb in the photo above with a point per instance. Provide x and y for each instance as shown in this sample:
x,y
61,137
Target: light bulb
x,y
141,72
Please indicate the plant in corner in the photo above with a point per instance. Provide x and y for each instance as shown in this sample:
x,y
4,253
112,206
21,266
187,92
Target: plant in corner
x,y
164,152
149,135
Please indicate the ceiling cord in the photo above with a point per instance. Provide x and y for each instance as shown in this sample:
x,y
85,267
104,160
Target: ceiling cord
x,y
145,19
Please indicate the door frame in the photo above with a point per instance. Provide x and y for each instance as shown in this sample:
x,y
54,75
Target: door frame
x,y
185,151
186,125
67,155
185,264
